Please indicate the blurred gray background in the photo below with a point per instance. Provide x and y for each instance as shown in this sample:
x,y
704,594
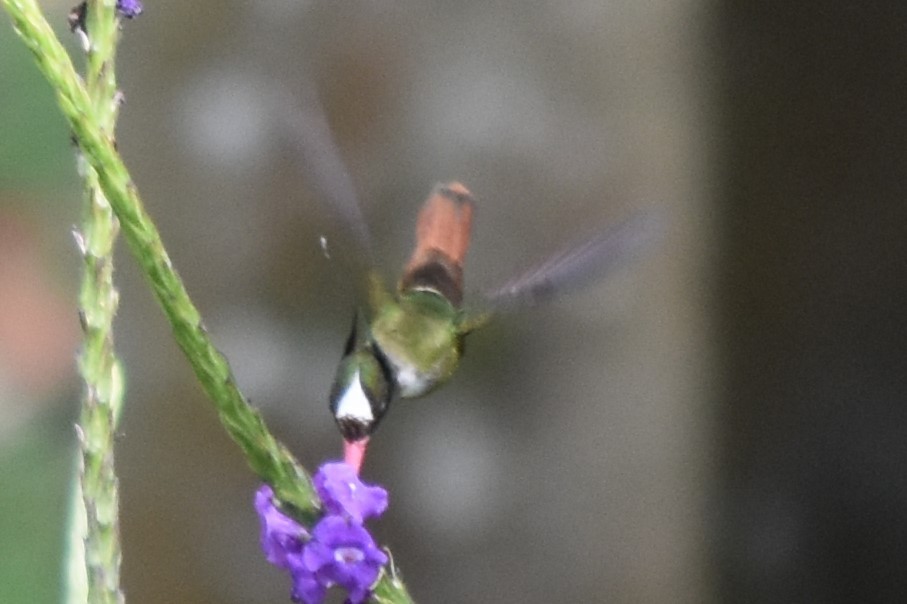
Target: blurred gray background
x,y
722,420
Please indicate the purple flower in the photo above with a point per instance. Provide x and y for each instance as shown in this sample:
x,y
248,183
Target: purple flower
x,y
341,553
281,536
343,494
129,8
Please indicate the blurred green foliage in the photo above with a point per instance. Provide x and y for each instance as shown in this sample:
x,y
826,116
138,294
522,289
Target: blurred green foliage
x,y
36,460
31,155
34,474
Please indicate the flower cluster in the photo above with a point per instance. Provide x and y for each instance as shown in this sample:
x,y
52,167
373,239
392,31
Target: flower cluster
x,y
338,550
129,8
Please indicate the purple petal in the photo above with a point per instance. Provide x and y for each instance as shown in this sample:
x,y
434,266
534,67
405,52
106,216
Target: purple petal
x,y
342,493
358,596
281,536
316,556
343,553
129,8
307,589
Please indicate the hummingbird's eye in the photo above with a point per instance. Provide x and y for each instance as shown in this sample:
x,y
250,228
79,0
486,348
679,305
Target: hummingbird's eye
x,y
360,395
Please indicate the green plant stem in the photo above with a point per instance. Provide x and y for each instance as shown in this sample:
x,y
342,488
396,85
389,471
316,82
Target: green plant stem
x,y
267,457
98,300
390,589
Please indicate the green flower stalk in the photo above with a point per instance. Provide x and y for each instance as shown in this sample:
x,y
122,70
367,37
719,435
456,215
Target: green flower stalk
x,y
98,300
110,186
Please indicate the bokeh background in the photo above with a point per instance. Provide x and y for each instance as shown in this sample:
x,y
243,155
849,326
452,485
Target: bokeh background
x,y
723,420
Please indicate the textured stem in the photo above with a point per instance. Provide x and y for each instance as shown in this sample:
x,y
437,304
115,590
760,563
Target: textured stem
x,y
98,300
267,457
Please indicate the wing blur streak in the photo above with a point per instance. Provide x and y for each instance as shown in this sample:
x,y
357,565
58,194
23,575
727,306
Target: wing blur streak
x,y
302,122
577,265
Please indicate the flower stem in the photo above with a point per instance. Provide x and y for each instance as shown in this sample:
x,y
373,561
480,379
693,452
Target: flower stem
x,y
98,300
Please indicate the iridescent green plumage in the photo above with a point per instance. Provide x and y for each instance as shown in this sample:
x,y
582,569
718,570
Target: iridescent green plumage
x,y
419,335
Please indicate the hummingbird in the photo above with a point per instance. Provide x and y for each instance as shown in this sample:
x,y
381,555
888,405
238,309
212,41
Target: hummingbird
x,y
412,339
406,342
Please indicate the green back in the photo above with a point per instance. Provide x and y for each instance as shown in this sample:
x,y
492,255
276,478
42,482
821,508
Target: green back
x,y
421,329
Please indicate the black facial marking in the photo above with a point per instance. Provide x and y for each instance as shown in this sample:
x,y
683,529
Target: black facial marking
x,y
351,340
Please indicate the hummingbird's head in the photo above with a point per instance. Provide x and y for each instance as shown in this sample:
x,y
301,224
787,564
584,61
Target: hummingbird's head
x,y
361,392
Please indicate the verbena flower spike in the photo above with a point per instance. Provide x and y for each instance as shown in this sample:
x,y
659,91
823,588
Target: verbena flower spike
x,y
339,551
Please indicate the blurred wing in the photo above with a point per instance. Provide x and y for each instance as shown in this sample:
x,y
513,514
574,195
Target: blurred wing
x,y
576,265
300,121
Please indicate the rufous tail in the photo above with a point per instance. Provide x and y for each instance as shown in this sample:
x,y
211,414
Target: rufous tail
x,y
442,239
